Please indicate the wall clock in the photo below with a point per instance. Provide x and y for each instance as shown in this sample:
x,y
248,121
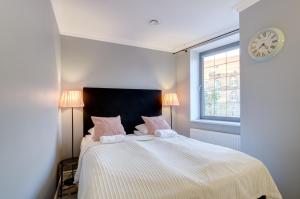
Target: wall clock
x,y
266,44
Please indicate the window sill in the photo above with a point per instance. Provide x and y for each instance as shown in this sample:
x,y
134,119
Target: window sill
x,y
214,122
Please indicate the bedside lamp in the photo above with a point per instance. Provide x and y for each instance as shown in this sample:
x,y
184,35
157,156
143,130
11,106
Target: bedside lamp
x,y
170,99
71,99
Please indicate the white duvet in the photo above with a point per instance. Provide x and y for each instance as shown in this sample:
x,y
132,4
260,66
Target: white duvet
x,y
176,167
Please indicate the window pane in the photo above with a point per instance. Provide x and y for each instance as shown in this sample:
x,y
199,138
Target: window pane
x,y
220,104
220,71
209,61
233,82
233,103
220,59
209,103
233,109
233,68
233,55
220,84
221,89
233,96
209,73
209,85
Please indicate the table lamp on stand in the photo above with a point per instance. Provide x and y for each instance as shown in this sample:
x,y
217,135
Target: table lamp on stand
x,y
170,99
71,99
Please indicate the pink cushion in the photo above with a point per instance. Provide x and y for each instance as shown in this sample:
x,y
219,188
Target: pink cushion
x,y
107,126
155,123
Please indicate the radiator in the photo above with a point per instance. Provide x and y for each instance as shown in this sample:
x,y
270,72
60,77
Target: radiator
x,y
223,139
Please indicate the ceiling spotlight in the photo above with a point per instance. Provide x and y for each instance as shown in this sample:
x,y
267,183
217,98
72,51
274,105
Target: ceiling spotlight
x,y
153,22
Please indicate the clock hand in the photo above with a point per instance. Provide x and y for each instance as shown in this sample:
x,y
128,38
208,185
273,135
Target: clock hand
x,y
268,35
263,44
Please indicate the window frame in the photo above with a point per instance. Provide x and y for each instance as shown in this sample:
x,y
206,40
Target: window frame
x,y
221,49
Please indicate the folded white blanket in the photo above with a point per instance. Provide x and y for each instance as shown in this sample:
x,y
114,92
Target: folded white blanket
x,y
111,139
165,133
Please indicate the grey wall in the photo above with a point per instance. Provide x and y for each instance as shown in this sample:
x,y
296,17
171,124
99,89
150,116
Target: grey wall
x,y
29,87
100,64
270,110
183,91
183,122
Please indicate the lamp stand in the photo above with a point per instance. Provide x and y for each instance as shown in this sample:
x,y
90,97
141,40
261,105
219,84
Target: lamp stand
x,y
171,117
70,181
72,133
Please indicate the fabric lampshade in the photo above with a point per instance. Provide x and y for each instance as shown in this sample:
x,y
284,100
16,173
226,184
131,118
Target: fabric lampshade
x,y
170,99
71,99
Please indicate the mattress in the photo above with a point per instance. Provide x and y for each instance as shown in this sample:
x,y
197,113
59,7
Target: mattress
x,y
177,167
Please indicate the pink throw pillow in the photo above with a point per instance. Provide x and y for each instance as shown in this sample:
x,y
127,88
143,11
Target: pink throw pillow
x,y
155,123
107,126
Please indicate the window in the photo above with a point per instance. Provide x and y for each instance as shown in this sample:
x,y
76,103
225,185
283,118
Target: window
x,y
220,77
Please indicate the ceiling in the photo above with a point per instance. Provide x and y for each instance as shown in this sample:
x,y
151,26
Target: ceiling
x,y
182,22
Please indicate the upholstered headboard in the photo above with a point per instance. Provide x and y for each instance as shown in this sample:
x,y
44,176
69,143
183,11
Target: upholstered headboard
x,y
130,104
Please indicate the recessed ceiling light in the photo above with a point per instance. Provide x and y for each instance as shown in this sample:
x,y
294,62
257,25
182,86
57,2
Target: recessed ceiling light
x,y
153,22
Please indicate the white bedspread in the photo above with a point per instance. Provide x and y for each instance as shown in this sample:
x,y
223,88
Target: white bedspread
x,y
176,167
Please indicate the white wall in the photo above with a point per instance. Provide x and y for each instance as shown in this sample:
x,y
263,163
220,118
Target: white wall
x,y
29,87
182,116
270,97
90,63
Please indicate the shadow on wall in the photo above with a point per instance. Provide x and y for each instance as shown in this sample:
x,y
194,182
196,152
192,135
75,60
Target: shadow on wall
x,y
48,190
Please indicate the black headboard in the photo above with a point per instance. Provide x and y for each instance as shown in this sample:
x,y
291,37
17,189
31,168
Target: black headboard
x,y
130,104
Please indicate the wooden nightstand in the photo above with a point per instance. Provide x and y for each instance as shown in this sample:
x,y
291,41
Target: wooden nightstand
x,y
65,177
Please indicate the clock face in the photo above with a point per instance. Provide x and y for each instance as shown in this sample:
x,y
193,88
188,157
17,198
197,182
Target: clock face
x,y
266,44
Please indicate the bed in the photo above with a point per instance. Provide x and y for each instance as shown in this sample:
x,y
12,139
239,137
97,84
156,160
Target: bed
x,y
152,167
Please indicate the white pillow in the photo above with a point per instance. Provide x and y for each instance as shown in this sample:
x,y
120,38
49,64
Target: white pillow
x,y
92,131
142,128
